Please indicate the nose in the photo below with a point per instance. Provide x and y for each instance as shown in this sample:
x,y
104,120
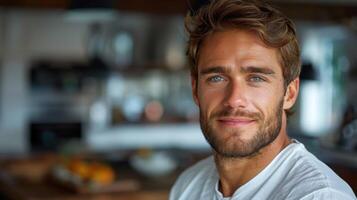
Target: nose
x,y
235,95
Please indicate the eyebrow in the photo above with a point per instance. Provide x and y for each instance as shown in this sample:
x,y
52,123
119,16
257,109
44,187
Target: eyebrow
x,y
245,70
215,69
259,70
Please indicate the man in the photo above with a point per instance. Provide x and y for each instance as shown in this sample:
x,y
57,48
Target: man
x,y
245,68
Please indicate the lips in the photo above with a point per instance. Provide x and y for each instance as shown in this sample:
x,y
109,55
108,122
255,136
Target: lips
x,y
235,121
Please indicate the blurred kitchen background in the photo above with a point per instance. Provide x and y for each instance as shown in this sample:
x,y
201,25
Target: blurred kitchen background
x,y
110,78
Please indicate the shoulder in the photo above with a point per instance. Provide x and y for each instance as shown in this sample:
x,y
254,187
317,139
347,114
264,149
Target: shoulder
x,y
193,178
196,172
308,177
327,194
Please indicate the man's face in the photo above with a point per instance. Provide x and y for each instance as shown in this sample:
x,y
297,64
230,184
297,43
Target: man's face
x,y
240,92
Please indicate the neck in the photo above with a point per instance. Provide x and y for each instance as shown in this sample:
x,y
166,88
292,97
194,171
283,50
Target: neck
x,y
235,172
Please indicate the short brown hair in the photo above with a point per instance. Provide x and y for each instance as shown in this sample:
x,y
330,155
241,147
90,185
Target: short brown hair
x,y
273,28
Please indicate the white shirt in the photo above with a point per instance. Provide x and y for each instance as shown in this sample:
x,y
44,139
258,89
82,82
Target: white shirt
x,y
294,174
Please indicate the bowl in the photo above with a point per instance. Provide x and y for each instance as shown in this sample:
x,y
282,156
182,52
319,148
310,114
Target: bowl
x,y
153,165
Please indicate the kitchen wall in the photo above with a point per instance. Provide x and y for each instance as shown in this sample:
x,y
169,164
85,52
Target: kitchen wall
x,y
65,36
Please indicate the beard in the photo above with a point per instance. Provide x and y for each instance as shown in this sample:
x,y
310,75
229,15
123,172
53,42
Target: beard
x,y
233,146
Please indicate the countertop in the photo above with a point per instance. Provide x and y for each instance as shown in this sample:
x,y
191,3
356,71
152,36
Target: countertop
x,y
27,178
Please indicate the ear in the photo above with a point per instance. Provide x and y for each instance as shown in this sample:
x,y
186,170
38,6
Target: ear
x,y
194,87
291,94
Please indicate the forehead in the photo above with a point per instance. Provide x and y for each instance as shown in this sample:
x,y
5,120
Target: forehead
x,y
237,48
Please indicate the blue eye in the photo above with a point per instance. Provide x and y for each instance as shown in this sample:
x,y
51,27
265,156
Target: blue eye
x,y
215,79
256,79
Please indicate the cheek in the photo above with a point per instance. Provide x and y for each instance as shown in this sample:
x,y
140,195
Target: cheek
x,y
265,101
209,98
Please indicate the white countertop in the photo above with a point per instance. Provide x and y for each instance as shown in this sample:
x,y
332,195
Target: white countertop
x,y
188,136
